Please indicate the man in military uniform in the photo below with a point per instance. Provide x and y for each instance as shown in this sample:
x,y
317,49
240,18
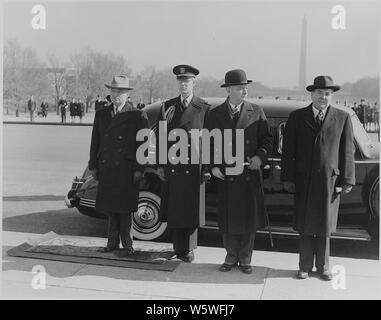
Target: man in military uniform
x,y
318,166
181,186
113,163
240,197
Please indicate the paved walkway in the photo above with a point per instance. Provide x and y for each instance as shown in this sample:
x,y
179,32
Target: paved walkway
x,y
273,278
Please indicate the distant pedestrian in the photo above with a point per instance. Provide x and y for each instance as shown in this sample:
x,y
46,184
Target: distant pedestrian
x,y
72,109
44,108
31,107
99,103
81,109
141,104
62,105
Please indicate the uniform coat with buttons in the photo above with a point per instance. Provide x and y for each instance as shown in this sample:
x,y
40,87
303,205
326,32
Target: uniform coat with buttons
x,y
317,160
181,190
240,198
113,154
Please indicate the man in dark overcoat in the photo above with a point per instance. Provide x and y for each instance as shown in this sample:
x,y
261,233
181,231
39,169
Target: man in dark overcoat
x,y
113,163
181,186
62,104
240,197
318,165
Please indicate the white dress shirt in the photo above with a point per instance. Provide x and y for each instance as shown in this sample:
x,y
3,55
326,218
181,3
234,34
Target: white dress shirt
x,y
188,99
316,111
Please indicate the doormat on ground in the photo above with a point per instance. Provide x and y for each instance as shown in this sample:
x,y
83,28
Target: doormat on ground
x,y
86,250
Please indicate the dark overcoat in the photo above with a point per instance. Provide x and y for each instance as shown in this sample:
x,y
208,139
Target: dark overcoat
x,y
180,193
113,153
240,197
317,160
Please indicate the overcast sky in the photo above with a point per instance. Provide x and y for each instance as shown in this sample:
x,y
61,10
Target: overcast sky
x,y
262,38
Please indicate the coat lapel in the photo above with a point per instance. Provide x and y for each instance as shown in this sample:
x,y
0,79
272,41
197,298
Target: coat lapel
x,y
224,116
246,115
329,119
120,116
190,112
309,118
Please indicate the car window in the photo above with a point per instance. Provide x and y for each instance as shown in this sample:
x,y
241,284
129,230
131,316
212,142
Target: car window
x,y
363,137
362,140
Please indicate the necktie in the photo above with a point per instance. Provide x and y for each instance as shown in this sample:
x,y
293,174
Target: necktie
x,y
320,118
235,113
185,104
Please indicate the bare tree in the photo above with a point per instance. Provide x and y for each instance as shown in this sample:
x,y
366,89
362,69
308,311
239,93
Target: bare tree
x,y
56,75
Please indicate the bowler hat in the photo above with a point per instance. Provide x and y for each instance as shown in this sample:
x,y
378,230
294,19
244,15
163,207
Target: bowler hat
x,y
184,71
323,82
235,78
119,82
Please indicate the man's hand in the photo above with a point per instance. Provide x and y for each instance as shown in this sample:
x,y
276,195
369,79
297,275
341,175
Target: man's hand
x,y
346,188
289,186
94,174
255,163
205,177
217,173
160,172
138,176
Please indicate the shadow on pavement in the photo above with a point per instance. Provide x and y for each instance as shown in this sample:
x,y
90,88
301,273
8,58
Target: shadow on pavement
x,y
65,222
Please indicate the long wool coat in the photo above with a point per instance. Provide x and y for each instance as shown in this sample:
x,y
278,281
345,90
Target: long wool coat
x,y
317,160
240,197
180,193
113,153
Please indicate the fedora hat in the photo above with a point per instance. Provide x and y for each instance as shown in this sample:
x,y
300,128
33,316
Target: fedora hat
x,y
185,71
119,82
235,77
323,82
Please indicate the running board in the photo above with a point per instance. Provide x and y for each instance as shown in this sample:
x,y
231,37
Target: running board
x,y
350,233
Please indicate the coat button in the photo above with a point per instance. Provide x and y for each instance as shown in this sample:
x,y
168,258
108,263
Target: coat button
x,y
106,134
187,171
103,161
120,137
231,179
173,170
247,141
247,178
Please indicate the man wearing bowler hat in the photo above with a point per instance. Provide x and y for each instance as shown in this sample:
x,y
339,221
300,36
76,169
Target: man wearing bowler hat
x,y
318,166
180,191
240,197
113,163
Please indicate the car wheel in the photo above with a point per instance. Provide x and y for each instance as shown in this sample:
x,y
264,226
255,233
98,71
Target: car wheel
x,y
374,199
146,223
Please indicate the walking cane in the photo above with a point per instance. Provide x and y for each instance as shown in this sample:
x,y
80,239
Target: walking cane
x,y
264,204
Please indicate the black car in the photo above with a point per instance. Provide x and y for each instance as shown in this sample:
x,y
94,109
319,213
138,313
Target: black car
x,y
358,213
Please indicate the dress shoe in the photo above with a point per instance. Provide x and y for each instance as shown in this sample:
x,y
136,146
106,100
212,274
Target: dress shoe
x,y
126,252
302,274
109,249
325,275
225,267
246,269
188,257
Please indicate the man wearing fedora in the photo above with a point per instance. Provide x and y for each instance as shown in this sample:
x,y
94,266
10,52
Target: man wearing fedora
x,y
113,163
180,192
240,197
318,166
